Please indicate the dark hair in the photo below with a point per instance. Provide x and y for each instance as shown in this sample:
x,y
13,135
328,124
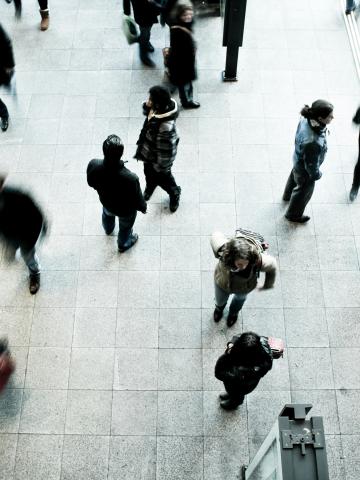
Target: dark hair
x,y
113,149
239,248
247,349
319,108
181,9
160,97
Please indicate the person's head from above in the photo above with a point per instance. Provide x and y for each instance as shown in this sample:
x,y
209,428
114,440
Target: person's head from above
x,y
159,99
113,149
247,347
239,253
184,14
2,180
321,111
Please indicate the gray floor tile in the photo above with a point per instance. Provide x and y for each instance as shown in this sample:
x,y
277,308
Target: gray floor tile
x,y
348,408
88,412
88,293
258,217
134,413
291,253
180,369
48,367
210,357
180,289
58,289
136,369
223,456
350,450
43,411
179,458
17,380
220,423
214,191
52,327
343,253
138,288
342,289
302,289
137,327
270,404
185,221
145,255
38,457
132,458
343,361
7,454
85,457
16,324
94,327
91,368
180,413
215,335
180,253
10,409
332,220
40,157
334,450
266,321
180,328
306,327
310,368
61,252
217,217
343,326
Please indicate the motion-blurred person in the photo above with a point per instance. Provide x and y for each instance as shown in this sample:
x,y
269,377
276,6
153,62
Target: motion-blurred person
x,y
7,65
309,154
181,61
157,144
21,225
351,5
7,364
44,12
145,14
356,178
119,192
246,360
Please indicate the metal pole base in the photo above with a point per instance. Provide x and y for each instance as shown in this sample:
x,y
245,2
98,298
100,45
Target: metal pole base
x,y
228,79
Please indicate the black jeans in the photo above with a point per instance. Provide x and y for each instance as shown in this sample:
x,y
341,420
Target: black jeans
x,y
3,110
186,93
125,236
43,4
299,190
144,40
165,180
356,178
236,396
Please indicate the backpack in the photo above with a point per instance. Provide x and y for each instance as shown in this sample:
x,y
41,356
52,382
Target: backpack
x,y
254,238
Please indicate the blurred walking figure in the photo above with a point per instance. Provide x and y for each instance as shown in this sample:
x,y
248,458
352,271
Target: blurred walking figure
x,y
44,12
237,272
309,154
7,364
350,6
181,60
356,178
7,65
157,144
119,192
246,360
145,14
21,225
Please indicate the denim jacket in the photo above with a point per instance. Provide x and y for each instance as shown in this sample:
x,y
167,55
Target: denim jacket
x,y
310,149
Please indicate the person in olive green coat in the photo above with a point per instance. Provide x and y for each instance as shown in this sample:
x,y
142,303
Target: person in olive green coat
x,y
237,272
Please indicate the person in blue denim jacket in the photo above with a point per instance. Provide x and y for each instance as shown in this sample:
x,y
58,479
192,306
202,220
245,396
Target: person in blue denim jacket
x,y
309,154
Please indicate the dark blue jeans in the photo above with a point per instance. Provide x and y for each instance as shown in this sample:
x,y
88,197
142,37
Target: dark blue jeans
x,y
125,236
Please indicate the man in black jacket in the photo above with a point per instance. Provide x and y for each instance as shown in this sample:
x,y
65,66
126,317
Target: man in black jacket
x,y
145,14
21,224
7,64
119,192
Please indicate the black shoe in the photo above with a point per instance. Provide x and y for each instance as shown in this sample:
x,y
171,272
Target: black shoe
x,y
218,313
191,104
349,10
231,319
229,405
147,195
150,48
4,345
175,201
224,396
135,238
302,219
353,193
4,123
34,283
285,198
146,60
8,1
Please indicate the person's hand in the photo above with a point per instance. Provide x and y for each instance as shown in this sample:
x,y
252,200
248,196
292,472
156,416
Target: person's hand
x,y
148,103
266,287
9,71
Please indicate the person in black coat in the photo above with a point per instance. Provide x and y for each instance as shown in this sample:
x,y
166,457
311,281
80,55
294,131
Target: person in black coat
x,y
21,224
119,192
7,65
145,14
246,360
181,61
356,178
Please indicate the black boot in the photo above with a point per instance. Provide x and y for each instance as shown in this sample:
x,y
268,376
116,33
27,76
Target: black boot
x,y
224,396
4,125
231,319
150,48
175,200
147,194
146,60
218,313
229,404
353,193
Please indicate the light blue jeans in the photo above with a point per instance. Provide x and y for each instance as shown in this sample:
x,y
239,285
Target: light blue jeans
x,y
350,4
221,298
125,236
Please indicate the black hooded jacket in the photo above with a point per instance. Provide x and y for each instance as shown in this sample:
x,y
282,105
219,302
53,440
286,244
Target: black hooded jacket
x,y
118,188
6,56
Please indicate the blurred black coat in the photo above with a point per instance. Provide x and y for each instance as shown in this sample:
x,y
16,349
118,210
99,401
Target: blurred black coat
x,y
6,56
145,12
181,61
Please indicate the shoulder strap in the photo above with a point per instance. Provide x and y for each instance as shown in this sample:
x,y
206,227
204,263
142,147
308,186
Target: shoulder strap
x,y
181,28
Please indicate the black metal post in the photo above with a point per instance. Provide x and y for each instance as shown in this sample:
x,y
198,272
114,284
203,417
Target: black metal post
x,y
234,23
232,53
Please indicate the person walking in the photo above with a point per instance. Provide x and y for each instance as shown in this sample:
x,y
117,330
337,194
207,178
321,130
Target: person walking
x,y
309,154
157,144
350,6
21,225
356,178
240,262
119,192
246,360
145,14
181,60
44,12
7,65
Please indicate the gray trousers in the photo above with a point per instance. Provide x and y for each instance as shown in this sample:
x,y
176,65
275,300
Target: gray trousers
x,y
299,190
350,4
28,254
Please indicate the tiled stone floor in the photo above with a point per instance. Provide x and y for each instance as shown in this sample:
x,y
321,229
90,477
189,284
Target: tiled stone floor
x,y
116,352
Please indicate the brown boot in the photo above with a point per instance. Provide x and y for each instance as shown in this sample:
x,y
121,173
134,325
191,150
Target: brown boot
x,y
45,19
34,283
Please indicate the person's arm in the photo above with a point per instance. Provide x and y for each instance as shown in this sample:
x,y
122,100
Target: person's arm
x,y
166,146
217,242
91,174
269,266
126,7
141,204
356,118
7,50
18,8
312,153
224,370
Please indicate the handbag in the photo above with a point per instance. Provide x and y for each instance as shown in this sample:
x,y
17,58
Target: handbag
x,y
130,29
277,347
166,56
